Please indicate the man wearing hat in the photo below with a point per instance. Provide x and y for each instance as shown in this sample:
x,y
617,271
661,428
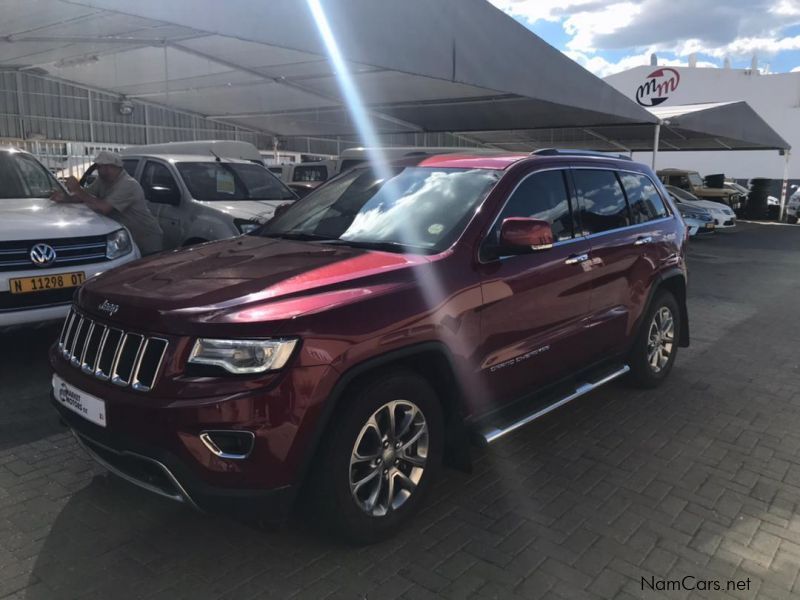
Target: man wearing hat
x,y
118,195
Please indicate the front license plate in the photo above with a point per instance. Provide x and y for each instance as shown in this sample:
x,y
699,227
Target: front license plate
x,y
25,285
90,408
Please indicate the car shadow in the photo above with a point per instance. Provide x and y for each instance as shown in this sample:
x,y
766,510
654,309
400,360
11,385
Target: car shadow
x,y
25,377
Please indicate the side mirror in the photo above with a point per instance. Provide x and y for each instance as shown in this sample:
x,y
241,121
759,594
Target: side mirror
x,y
520,235
164,195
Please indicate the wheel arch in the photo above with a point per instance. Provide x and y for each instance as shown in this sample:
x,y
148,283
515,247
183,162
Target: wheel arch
x,y
431,360
674,281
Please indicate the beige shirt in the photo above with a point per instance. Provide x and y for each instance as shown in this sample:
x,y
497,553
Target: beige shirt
x,y
131,210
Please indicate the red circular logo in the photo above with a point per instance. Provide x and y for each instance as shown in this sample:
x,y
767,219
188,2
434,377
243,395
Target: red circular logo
x,y
658,86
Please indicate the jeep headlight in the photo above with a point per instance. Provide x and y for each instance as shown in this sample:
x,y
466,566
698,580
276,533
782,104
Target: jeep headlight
x,y
243,356
118,243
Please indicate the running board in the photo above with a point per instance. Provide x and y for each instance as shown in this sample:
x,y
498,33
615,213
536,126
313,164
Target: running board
x,y
493,432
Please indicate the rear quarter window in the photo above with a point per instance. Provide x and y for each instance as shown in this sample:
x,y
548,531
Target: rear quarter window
x,y
644,200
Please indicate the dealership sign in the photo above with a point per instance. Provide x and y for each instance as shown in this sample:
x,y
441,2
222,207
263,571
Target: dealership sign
x,y
658,86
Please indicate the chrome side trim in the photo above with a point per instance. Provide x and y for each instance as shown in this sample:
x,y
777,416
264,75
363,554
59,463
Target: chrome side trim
x,y
494,433
181,496
214,449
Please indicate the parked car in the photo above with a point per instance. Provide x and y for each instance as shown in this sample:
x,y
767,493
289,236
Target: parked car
x,y
373,327
47,250
723,215
698,220
692,182
199,197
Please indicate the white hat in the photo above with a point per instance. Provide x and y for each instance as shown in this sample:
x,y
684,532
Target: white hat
x,y
108,158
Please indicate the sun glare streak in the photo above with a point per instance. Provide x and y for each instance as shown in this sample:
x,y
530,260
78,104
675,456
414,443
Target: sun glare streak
x,y
432,289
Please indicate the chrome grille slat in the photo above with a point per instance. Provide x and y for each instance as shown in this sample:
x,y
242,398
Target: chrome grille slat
x,y
130,341
74,343
130,359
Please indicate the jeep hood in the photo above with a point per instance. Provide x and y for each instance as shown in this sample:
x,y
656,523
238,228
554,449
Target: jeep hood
x,y
40,218
204,283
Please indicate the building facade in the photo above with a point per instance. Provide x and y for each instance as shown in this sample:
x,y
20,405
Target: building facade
x,y
775,97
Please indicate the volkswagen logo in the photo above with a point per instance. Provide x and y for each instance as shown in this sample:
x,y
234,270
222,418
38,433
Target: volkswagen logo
x,y
43,255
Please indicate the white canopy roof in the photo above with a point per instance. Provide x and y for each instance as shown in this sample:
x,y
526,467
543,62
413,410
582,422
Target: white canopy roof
x,y
449,65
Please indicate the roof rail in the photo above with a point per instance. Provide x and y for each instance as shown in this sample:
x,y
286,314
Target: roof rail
x,y
561,152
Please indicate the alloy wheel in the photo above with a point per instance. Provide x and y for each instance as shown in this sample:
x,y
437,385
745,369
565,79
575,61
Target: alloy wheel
x,y
660,339
389,457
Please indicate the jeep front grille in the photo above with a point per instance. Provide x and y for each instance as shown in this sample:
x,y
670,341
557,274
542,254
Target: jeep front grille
x,y
109,353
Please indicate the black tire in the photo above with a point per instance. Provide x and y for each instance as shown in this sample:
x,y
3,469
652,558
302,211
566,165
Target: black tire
x,y
335,506
792,220
643,373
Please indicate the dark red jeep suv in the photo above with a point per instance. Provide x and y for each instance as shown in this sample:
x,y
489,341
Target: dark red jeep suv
x,y
373,329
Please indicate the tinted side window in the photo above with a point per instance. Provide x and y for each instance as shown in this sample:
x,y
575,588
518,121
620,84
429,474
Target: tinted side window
x,y
129,164
157,178
310,173
602,202
541,196
643,198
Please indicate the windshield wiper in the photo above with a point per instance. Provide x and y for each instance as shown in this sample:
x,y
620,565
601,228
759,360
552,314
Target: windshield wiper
x,y
302,237
385,246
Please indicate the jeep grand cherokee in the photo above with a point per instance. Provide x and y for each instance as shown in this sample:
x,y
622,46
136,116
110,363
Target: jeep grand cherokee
x,y
374,327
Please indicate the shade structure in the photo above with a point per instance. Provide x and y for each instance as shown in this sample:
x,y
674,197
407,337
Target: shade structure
x,y
718,126
418,65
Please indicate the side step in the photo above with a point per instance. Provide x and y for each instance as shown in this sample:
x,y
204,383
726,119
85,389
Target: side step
x,y
489,433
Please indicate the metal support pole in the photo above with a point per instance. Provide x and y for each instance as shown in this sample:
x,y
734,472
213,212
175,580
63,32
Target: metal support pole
x,y
655,144
146,124
91,116
20,105
787,155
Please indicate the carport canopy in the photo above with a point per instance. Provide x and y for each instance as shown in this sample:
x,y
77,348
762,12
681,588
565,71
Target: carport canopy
x,y
444,66
717,126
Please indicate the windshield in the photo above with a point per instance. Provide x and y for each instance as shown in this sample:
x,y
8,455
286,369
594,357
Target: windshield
x,y
415,210
24,177
682,194
696,180
232,181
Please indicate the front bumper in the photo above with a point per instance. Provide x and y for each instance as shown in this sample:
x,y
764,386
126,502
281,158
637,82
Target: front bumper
x,y
156,442
725,222
164,474
56,309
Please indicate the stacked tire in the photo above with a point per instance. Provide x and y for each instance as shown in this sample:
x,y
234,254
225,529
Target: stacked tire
x,y
757,199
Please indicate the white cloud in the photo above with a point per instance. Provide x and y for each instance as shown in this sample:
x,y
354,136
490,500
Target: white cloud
x,y
603,68
714,28
796,70
540,10
584,27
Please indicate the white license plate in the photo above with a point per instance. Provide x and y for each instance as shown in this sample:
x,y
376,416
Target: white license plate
x,y
90,408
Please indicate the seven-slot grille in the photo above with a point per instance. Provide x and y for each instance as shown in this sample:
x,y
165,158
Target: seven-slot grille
x,y
109,353
15,255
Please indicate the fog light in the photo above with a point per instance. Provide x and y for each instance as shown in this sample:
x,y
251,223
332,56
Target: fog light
x,y
232,445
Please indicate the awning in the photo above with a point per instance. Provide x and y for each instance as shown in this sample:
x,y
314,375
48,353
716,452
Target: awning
x,y
449,65
719,126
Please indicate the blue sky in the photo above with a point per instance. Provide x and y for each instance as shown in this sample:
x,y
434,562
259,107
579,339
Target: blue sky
x,y
608,36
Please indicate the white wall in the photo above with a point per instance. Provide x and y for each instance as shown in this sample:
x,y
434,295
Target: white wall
x,y
775,97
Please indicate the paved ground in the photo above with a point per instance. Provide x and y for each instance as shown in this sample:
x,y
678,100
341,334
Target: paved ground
x,y
700,479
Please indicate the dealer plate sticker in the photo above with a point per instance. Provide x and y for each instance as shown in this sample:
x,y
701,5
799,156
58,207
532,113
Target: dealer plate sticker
x,y
90,408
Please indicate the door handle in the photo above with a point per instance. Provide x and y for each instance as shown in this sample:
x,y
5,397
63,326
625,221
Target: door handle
x,y
640,241
574,259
